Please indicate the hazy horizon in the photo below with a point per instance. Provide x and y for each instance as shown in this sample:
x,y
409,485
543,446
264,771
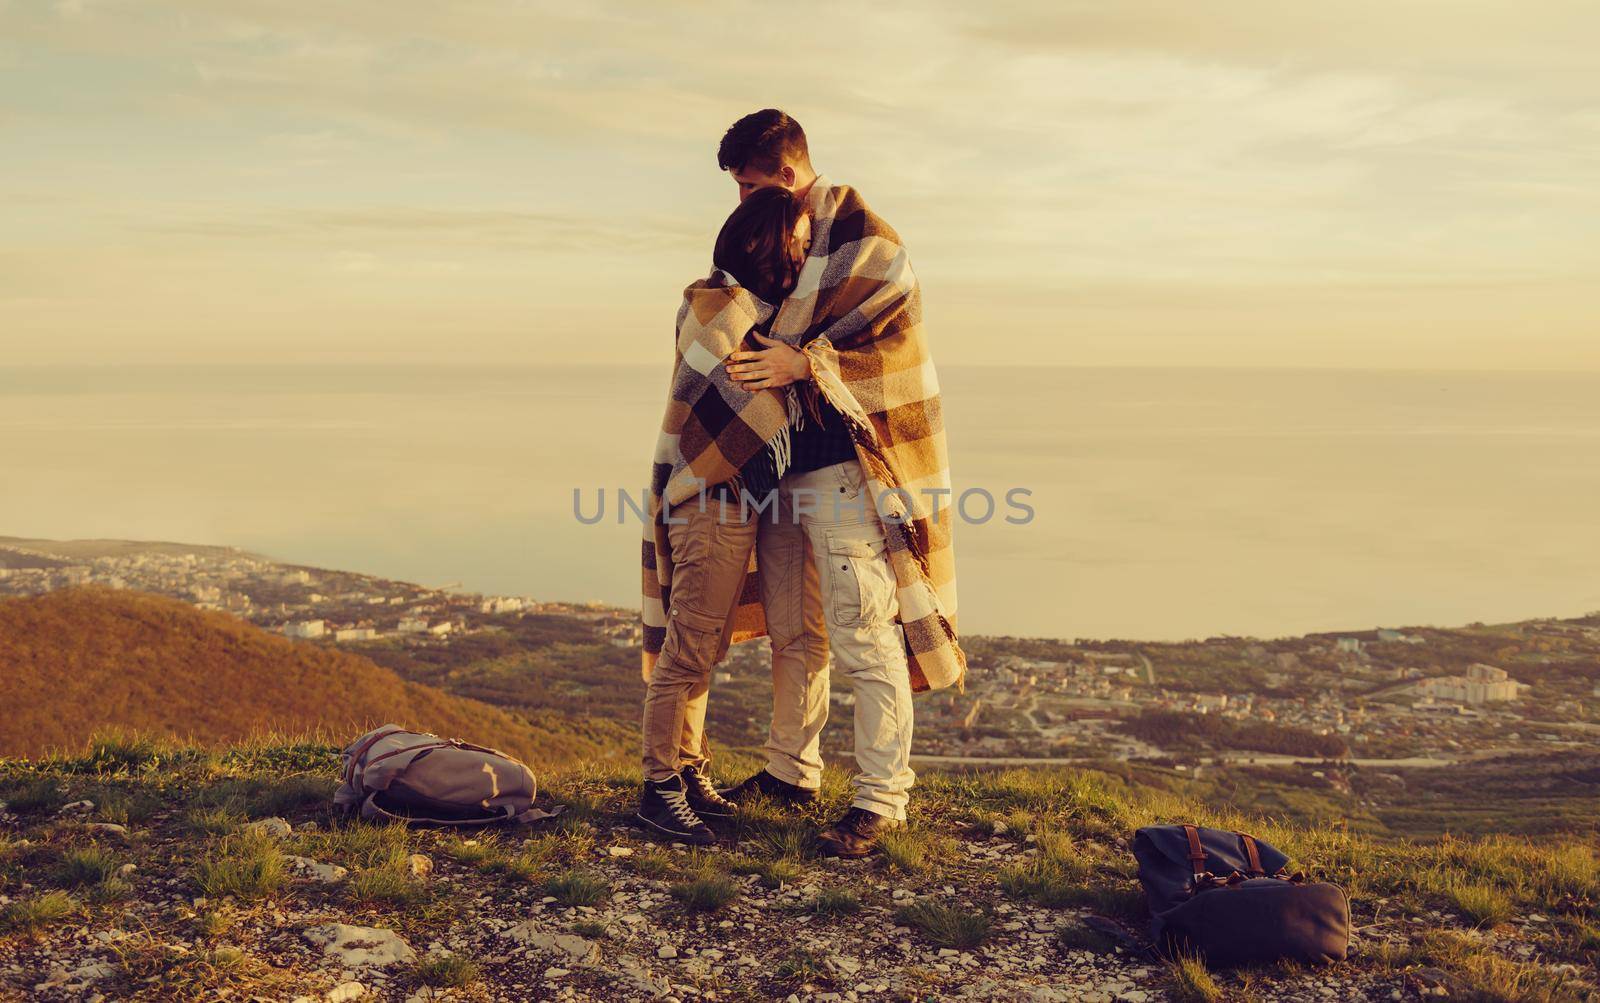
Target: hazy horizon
x,y
1170,503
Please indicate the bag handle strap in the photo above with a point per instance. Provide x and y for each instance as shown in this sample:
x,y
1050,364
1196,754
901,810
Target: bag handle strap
x,y
354,761
1197,854
1249,843
527,816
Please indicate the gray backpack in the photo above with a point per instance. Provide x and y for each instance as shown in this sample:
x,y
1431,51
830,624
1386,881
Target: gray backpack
x,y
407,776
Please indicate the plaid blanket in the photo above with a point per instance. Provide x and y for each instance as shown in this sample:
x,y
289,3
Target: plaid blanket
x,y
712,427
856,310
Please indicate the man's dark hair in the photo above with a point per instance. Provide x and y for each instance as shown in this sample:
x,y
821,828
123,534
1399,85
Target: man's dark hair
x,y
753,245
764,140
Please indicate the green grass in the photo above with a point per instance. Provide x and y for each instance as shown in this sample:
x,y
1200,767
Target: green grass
x,y
86,865
913,851
214,821
799,966
578,887
1191,982
384,886
833,902
1487,977
527,864
36,794
770,833
1058,875
191,808
446,971
946,926
653,864
484,853
121,752
1482,905
245,865
34,914
109,890
708,891
771,873
213,923
166,972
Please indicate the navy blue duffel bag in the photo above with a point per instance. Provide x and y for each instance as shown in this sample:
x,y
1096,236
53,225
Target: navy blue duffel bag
x,y
1226,896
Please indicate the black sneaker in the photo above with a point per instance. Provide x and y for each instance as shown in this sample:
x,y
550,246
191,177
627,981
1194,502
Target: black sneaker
x,y
664,809
703,797
764,784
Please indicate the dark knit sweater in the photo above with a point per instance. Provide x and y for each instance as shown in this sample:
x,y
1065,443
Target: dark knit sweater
x,y
812,446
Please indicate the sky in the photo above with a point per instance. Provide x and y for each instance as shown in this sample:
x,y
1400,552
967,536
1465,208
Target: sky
x,y
1409,184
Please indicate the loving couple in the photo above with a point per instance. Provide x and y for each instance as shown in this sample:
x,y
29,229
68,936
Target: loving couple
x,y
795,493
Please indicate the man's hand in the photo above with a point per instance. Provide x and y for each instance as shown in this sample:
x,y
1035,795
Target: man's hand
x,y
777,365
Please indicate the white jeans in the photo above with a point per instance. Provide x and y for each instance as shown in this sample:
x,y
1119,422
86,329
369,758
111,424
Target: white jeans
x,y
829,590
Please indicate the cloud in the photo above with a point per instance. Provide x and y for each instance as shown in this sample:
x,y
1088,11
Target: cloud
x,y
1162,146
417,226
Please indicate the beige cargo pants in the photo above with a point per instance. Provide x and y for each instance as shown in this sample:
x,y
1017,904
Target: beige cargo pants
x,y
829,595
710,553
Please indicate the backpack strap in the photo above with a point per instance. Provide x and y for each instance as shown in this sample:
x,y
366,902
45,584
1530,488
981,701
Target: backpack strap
x,y
1197,854
1249,844
354,761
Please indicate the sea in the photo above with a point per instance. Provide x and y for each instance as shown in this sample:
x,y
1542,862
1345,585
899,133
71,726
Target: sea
x,y
1138,503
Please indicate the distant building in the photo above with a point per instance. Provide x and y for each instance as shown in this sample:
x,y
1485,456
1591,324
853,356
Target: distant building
x,y
1482,684
355,634
441,629
1205,703
413,625
1349,645
1385,634
502,604
307,628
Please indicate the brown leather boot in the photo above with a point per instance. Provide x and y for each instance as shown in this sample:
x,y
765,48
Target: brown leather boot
x,y
855,835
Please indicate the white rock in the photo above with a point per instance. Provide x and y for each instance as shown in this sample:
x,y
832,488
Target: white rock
x,y
94,971
570,945
77,807
420,864
305,867
620,851
346,991
666,952
360,946
275,827
110,828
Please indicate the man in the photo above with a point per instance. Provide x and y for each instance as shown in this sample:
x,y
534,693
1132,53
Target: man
x,y
855,562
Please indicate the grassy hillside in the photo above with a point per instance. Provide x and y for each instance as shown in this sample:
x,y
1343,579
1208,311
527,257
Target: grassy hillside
x,y
74,661
1013,885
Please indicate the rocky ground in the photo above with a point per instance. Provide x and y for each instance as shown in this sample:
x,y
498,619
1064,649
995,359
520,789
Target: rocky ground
x,y
227,877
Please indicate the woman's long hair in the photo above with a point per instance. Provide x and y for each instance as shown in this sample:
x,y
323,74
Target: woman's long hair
x,y
754,245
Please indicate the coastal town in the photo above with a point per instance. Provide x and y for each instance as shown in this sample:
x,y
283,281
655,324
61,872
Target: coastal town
x,y
1380,694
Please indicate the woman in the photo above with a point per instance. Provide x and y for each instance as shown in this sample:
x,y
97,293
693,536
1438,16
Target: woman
x,y
716,439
